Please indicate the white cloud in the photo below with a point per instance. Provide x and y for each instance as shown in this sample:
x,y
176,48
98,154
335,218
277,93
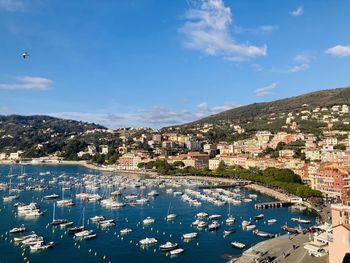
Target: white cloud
x,y
302,58
28,83
298,68
298,12
339,51
260,30
208,29
11,5
261,92
146,117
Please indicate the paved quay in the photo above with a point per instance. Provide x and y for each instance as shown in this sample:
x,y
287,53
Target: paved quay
x,y
281,249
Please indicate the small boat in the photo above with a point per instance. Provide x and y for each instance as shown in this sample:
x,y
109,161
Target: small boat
x,y
215,217
190,235
263,234
202,215
148,241
87,237
271,221
168,246
250,227
49,197
230,220
196,222
293,230
245,223
41,246
176,251
304,221
214,226
83,234
258,217
238,245
253,196
148,221
153,193
20,239
97,219
107,223
125,231
229,232
76,229
202,224
18,229
32,240
70,223
171,217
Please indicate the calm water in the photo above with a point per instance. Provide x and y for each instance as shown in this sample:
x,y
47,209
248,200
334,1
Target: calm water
x,y
208,247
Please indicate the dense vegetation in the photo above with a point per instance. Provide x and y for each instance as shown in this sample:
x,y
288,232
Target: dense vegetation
x,y
255,116
42,135
281,179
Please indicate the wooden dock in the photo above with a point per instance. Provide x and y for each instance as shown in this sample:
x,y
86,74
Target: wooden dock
x,y
272,205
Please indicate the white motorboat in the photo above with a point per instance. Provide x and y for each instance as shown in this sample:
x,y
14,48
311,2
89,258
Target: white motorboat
x,y
148,241
202,225
97,219
176,251
238,245
250,227
171,217
230,220
41,246
202,215
272,221
245,223
125,231
148,221
214,226
190,235
168,246
18,229
215,217
52,196
83,234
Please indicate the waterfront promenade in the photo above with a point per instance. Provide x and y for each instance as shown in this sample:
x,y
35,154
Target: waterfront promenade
x,y
281,249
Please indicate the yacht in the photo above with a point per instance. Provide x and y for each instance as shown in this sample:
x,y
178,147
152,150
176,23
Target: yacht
x,y
83,234
229,232
202,224
21,238
230,220
245,223
168,246
148,241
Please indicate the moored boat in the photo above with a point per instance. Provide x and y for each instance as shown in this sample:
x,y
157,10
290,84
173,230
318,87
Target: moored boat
x,y
238,245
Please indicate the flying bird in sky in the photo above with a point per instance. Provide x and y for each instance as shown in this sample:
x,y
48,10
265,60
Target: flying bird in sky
x,y
25,54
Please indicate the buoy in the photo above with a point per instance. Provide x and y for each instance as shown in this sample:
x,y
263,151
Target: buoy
x,y
90,250
95,253
104,257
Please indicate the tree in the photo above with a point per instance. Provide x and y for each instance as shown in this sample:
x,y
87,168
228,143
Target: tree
x,y
179,164
221,166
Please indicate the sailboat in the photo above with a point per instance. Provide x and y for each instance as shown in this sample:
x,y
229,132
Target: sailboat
x,y
65,202
230,219
170,216
56,222
9,197
77,229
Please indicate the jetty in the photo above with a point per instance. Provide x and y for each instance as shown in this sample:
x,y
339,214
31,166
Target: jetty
x,y
272,204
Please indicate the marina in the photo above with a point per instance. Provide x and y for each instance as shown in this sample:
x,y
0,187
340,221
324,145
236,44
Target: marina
x,y
180,221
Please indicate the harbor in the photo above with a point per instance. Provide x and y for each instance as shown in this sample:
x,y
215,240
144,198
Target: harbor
x,y
86,215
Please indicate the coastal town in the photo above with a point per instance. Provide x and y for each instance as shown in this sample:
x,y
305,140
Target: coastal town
x,y
321,161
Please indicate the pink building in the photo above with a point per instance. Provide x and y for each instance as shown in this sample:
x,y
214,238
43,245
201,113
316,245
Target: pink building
x,y
339,246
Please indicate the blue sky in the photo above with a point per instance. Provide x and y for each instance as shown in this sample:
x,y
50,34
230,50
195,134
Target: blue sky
x,y
161,62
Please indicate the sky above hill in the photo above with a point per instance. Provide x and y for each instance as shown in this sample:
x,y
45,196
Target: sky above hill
x,y
156,63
